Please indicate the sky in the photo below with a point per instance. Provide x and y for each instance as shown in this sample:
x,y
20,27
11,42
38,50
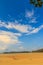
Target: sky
x,y
21,26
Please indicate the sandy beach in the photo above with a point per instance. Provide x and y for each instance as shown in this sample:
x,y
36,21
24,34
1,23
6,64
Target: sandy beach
x,y
21,59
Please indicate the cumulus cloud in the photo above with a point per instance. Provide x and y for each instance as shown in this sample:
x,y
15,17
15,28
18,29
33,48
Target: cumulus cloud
x,y
9,37
21,48
3,47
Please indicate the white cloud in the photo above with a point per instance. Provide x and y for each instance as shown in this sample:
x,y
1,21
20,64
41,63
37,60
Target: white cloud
x,y
3,47
33,20
21,47
22,28
9,37
29,14
36,30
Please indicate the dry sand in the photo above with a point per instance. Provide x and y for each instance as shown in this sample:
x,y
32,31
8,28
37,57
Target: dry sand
x,y
21,59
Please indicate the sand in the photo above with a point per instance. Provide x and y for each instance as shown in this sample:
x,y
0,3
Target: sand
x,y
21,59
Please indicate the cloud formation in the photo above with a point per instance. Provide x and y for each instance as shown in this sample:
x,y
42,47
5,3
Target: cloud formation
x,y
29,14
22,28
3,47
9,37
36,30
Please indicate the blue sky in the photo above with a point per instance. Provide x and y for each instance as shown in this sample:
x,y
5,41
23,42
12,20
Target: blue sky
x,y
21,26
